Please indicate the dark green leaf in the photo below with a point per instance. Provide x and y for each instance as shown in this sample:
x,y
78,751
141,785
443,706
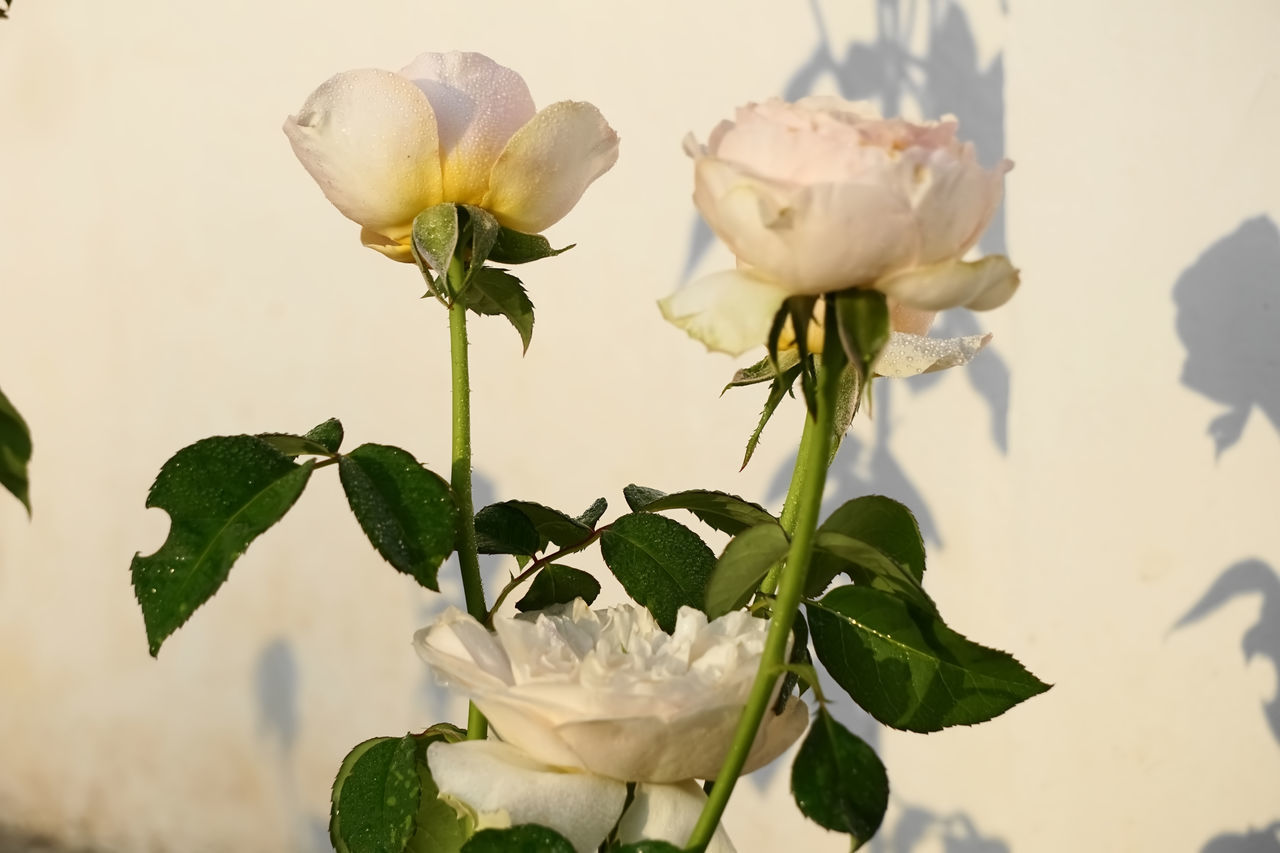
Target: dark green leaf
x,y
764,370
745,561
906,668
594,513
650,847
328,434
220,494
779,389
720,510
862,317
515,247
493,292
526,838
15,452
375,797
407,512
838,781
553,525
503,529
435,236
799,660
835,553
437,826
294,445
886,525
558,584
661,564
638,497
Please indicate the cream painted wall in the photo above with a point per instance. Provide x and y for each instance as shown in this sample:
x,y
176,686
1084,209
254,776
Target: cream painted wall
x,y
168,271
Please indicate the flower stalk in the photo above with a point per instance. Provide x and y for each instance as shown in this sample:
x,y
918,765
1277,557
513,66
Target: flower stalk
x,y
811,476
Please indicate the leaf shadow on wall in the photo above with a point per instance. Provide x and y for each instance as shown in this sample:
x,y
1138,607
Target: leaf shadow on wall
x,y
1227,302
1247,578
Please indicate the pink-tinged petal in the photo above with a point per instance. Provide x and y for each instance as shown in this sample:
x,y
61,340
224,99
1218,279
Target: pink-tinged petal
x,y
369,140
903,318
668,813
978,285
728,311
479,105
909,355
956,203
503,787
548,164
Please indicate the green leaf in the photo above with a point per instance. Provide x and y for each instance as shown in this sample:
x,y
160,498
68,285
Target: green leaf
x,y
594,513
295,445
881,523
557,584
780,388
435,236
719,510
908,669
638,497
662,564
407,512
838,781
493,292
375,797
503,529
553,525
835,553
515,247
15,452
526,838
220,494
437,826
745,561
328,434
862,318
650,847
764,370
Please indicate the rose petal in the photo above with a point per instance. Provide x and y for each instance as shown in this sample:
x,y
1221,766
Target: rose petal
x,y
978,285
904,318
956,203
479,105
461,651
668,813
548,164
504,787
369,140
909,355
728,311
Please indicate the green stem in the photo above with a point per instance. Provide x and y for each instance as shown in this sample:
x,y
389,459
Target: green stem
x,y
790,507
468,560
810,473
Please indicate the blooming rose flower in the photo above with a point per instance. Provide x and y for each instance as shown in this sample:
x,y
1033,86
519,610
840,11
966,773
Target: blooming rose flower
x,y
449,127
824,195
609,692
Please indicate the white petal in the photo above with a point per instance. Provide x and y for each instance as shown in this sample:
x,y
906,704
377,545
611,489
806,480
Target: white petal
x,y
369,139
479,105
668,813
504,787
463,652
908,355
978,285
548,165
728,311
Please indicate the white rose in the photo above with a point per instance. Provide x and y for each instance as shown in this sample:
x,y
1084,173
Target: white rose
x,y
449,127
824,195
610,693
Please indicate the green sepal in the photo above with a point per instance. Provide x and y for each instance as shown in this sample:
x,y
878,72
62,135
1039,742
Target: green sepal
x,y
719,510
526,838
15,452
848,401
516,247
800,309
780,388
480,233
799,662
764,370
557,584
496,292
838,781
862,319
591,517
321,440
742,565
504,529
407,512
661,564
909,670
220,494
434,240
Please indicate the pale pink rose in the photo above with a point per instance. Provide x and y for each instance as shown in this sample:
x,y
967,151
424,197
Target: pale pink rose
x,y
449,127
824,195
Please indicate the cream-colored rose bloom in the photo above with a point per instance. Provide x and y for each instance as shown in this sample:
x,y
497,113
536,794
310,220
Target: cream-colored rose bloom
x,y
609,692
449,127
824,195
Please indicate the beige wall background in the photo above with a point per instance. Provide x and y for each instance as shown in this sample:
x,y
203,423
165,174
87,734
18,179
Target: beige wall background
x,y
1099,489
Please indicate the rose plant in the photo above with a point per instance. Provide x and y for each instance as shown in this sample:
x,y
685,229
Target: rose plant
x,y
626,728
